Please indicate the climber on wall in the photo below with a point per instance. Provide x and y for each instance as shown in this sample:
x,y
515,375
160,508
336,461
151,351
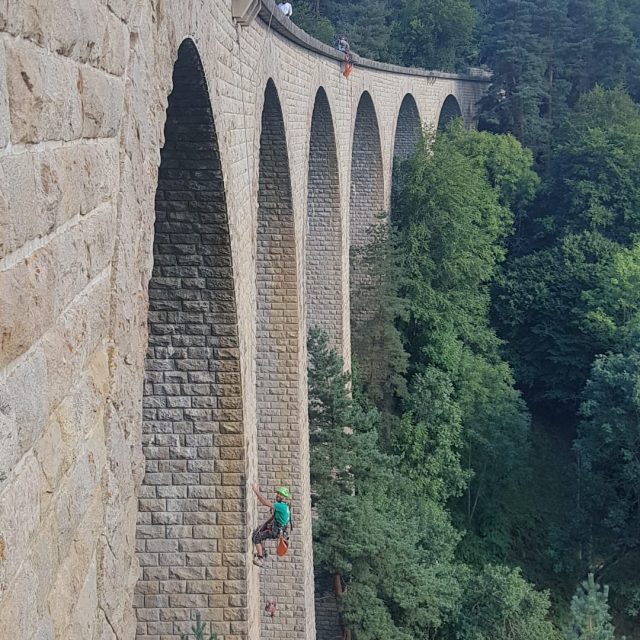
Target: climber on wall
x,y
342,45
276,527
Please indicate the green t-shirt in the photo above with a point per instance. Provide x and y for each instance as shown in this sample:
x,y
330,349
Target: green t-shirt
x,y
281,513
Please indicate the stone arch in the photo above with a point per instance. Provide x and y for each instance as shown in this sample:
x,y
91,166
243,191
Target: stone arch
x,y
450,110
191,539
367,201
324,228
408,128
283,439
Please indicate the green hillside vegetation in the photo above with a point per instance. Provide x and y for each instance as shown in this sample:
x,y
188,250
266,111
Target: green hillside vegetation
x,y
479,477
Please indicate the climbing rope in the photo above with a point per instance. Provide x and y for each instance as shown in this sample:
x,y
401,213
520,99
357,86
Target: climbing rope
x,y
265,41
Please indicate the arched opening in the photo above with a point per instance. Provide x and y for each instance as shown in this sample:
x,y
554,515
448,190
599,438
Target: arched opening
x,y
408,129
324,233
283,437
366,205
191,539
450,111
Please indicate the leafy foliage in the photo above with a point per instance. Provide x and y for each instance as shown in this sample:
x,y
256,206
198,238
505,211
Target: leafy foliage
x,y
434,33
571,296
498,604
199,631
594,181
608,448
545,54
457,436
453,214
392,549
376,307
427,33
488,259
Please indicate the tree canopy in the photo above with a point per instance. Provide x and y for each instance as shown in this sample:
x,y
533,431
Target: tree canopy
x,y
492,427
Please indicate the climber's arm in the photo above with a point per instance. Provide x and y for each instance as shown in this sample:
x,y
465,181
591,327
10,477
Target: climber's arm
x,y
261,499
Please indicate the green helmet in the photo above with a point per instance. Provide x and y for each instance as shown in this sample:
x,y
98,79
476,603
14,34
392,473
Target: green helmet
x,y
283,491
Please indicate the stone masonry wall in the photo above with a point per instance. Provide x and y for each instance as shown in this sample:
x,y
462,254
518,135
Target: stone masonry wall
x,y
324,242
281,438
367,203
84,86
191,535
408,129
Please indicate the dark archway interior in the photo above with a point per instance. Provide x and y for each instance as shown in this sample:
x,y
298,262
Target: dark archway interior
x,y
280,437
324,233
191,521
408,129
366,206
450,111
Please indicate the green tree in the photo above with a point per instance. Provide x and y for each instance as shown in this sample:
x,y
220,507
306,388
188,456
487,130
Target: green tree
x,y
552,311
199,630
552,25
451,224
428,438
514,52
562,302
601,45
390,550
434,34
376,307
307,15
595,172
498,604
367,25
590,618
496,449
608,449
453,210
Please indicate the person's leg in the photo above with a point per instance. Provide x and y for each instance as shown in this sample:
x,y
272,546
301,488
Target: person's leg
x,y
259,536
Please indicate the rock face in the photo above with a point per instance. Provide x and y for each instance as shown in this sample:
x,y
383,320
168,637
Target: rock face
x,y
175,193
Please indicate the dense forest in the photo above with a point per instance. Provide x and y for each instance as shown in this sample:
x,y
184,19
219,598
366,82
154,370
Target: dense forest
x,y
477,476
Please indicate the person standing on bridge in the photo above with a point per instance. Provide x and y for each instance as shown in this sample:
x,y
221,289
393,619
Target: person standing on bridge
x,y
276,526
286,8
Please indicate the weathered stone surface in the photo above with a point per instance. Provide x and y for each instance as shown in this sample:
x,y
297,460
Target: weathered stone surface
x,y
4,14
5,123
20,192
24,401
83,30
27,298
20,515
5,224
74,181
44,101
73,595
38,289
101,103
197,376
74,339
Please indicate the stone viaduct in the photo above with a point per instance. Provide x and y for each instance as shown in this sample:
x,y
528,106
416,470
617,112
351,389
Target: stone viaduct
x,y
180,183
